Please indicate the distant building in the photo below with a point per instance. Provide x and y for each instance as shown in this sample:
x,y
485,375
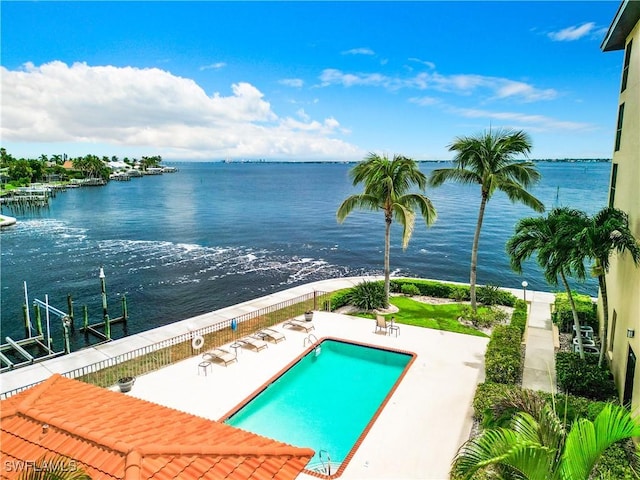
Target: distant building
x,y
68,165
623,280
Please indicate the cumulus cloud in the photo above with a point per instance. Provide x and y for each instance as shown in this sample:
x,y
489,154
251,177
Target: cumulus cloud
x,y
572,33
359,51
136,107
462,84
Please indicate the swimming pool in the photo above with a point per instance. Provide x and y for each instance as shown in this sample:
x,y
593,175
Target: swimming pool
x,y
327,400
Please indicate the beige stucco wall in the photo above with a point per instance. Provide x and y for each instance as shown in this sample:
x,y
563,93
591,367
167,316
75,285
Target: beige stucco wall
x,y
623,280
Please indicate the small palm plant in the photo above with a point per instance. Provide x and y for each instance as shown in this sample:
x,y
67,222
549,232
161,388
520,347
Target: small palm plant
x,y
537,446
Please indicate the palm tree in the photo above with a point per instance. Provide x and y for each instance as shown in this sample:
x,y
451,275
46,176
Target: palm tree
x,y
554,241
537,446
608,231
386,187
487,159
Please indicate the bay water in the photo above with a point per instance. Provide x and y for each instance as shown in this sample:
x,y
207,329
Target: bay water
x,y
215,234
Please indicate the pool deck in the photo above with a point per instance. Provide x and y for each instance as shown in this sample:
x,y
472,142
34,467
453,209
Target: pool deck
x,y
415,436
419,430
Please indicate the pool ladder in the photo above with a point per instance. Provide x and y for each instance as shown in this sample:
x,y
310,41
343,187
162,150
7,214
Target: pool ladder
x,y
326,468
311,339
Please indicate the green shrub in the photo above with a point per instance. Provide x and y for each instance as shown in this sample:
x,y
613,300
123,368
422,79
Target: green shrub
x,y
340,298
568,407
484,317
503,359
489,394
368,295
409,289
616,462
460,294
584,377
519,316
488,294
563,316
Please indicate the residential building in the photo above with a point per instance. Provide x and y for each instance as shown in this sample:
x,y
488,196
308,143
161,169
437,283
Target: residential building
x,y
623,279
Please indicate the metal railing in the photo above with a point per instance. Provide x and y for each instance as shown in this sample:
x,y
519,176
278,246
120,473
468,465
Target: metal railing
x,y
155,356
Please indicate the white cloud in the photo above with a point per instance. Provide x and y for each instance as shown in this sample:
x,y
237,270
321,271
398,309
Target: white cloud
x,y
426,63
572,33
461,84
292,82
424,101
359,51
214,66
152,108
538,123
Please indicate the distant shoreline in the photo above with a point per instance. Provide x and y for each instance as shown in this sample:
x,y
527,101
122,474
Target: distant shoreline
x,y
349,162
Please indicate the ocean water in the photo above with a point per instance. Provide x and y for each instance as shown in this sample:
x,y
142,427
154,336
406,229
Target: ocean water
x,y
214,234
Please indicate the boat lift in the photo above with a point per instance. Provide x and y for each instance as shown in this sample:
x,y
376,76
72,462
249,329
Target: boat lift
x,y
18,346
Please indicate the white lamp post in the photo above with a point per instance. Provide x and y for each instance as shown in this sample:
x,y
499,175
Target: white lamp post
x,y
524,289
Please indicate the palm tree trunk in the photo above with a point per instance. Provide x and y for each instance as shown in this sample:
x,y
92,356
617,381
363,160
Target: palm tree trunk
x,y
387,272
474,254
605,318
576,320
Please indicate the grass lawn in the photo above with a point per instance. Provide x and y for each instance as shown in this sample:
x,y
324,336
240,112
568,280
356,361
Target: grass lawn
x,y
439,317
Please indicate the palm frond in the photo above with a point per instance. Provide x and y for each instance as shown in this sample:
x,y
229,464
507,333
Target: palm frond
x,y
360,201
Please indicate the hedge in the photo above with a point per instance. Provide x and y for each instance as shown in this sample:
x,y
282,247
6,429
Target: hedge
x,y
563,316
519,317
454,291
503,359
584,377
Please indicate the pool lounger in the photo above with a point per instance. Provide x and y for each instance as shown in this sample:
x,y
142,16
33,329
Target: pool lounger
x,y
303,325
251,343
220,355
271,335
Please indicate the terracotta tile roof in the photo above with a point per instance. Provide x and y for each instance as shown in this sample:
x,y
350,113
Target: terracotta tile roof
x,y
112,435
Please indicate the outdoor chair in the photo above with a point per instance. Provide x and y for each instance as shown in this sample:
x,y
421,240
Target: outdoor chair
x,y
220,355
255,344
271,335
381,324
299,324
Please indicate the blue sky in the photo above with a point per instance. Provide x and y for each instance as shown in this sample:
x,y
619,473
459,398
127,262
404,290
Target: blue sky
x,y
304,80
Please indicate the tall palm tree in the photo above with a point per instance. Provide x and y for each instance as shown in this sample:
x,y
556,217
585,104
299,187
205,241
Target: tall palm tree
x,y
487,159
607,231
537,446
554,241
386,187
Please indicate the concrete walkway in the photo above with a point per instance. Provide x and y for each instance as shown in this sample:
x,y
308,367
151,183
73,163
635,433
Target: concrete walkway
x,y
539,363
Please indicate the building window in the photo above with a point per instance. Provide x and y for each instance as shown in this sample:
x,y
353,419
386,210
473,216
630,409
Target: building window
x,y
619,129
612,184
625,70
612,332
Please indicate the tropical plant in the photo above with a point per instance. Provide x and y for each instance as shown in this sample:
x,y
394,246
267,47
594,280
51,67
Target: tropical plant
x,y
386,187
538,447
368,296
487,159
553,240
607,231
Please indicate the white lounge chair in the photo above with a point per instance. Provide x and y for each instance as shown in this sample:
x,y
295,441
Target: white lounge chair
x,y
220,355
252,343
271,335
299,324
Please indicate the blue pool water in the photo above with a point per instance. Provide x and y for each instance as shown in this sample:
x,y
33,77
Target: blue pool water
x,y
324,401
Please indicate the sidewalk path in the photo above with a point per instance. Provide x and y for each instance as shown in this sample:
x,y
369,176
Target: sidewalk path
x,y
539,362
